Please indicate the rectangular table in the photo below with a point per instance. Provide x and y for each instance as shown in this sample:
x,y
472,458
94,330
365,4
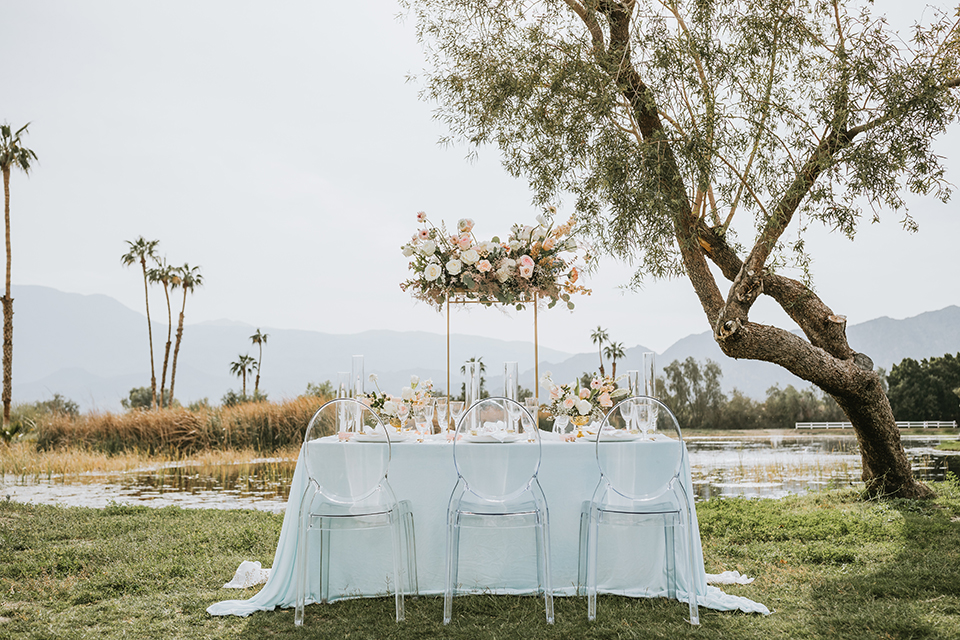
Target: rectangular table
x,y
497,561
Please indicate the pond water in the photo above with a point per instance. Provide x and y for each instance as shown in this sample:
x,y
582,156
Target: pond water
x,y
763,467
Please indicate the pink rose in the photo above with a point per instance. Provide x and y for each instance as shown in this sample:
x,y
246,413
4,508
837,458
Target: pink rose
x,y
464,241
569,401
584,394
484,266
421,216
605,400
465,225
526,261
526,272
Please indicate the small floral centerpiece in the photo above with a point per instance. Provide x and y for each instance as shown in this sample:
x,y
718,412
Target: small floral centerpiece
x,y
533,261
395,409
583,404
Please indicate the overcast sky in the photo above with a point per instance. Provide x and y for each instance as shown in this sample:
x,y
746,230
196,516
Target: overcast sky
x,y
279,146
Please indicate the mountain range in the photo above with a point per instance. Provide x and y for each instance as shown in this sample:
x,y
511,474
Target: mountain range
x,y
93,350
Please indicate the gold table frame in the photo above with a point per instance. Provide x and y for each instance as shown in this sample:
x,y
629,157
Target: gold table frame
x,y
460,299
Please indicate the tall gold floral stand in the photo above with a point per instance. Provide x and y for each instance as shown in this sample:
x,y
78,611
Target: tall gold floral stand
x,y
462,298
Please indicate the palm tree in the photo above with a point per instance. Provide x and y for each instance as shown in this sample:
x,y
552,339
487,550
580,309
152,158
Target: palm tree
x,y
599,337
243,365
613,351
12,154
140,250
187,278
258,339
164,274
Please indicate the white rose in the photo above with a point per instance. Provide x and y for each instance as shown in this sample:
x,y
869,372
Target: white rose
x,y
503,275
407,251
514,245
453,267
406,393
470,256
428,247
432,272
390,408
489,246
584,407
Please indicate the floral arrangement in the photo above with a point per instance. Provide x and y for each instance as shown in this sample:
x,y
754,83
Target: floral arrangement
x,y
532,261
399,406
592,401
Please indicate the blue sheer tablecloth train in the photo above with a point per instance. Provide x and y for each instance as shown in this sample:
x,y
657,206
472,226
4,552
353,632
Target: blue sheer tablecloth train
x,y
424,474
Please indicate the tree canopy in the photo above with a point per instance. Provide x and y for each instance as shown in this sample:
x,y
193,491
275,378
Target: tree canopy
x,y
691,132
926,390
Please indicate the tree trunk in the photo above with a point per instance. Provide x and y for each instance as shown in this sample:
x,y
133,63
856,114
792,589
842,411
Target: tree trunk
x,y
176,347
166,350
256,383
7,310
153,371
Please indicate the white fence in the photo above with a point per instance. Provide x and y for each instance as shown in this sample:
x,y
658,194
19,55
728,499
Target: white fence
x,y
930,424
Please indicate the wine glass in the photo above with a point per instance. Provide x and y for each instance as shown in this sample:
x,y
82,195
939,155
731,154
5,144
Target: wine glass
x,y
442,414
421,422
403,412
456,411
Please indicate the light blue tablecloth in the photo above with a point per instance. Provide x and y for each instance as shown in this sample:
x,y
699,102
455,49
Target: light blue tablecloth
x,y
498,561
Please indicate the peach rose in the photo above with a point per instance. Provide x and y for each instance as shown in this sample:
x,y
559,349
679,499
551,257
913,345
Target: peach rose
x,y
484,266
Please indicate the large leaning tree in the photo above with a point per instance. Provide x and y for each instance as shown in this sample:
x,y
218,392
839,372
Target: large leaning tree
x,y
691,136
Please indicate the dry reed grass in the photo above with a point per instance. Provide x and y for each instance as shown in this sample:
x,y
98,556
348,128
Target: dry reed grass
x,y
264,427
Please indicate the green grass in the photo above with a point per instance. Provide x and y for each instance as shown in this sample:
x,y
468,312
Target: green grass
x,y
829,565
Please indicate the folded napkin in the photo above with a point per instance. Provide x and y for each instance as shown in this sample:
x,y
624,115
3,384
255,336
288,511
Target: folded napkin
x,y
249,574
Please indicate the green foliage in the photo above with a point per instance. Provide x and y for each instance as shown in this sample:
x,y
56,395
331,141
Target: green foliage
x,y
231,398
785,407
24,418
692,391
141,399
323,389
925,390
199,405
644,112
830,566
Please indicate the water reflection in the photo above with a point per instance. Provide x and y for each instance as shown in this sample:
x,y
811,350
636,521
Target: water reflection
x,y
775,466
768,466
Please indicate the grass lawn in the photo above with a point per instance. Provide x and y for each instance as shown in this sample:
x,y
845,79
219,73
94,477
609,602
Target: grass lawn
x,y
829,565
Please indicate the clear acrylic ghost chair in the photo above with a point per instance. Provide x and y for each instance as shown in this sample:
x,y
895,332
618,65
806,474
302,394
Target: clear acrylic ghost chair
x,y
497,486
641,485
346,490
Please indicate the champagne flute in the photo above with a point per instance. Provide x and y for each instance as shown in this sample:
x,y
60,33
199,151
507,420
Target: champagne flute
x,y
428,412
442,414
